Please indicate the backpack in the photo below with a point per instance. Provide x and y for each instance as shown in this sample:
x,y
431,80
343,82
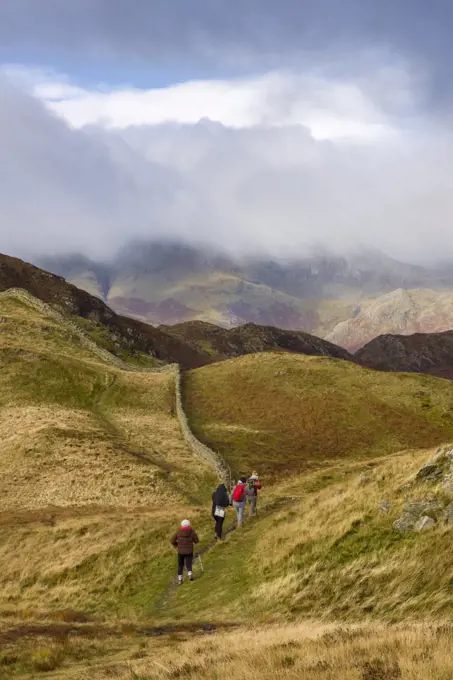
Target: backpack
x,y
238,493
250,489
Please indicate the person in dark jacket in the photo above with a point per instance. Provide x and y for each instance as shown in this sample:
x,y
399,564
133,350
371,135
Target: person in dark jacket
x,y
184,540
220,502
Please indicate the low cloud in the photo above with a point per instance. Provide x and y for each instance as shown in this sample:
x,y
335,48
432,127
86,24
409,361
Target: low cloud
x,y
295,163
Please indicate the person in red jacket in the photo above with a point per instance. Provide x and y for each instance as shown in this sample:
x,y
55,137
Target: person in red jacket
x,y
184,540
238,500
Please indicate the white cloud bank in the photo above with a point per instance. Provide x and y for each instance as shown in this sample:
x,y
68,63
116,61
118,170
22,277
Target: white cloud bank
x,y
286,162
329,109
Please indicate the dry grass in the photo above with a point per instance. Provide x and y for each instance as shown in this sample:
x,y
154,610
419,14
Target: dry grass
x,y
309,651
93,474
329,551
287,413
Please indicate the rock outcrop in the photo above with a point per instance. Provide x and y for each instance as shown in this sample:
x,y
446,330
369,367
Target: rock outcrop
x,y
435,479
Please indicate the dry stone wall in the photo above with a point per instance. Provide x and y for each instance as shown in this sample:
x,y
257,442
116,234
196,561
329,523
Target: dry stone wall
x,y
200,449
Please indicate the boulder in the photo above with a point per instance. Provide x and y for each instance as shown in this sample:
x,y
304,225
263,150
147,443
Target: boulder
x,y
431,471
424,523
405,523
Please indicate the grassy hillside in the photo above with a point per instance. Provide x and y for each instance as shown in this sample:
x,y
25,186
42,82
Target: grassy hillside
x,y
284,413
320,585
325,549
94,473
127,338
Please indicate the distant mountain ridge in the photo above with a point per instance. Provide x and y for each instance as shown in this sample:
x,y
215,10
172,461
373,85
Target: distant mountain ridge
x,y
430,353
401,312
250,338
347,301
184,345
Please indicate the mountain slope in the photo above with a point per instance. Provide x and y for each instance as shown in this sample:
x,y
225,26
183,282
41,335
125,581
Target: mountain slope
x,y
400,312
285,413
421,353
168,283
250,338
119,334
94,472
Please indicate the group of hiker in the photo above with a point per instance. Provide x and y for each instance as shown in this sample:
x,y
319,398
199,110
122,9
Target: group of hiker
x,y
244,492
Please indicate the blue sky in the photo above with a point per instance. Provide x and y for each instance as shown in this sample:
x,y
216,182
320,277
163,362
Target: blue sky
x,y
227,122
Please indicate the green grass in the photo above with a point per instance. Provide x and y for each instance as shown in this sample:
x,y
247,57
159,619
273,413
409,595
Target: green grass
x,y
48,379
330,554
284,413
103,337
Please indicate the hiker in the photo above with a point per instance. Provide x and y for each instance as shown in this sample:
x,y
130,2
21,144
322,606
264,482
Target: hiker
x,y
220,502
238,499
184,540
251,492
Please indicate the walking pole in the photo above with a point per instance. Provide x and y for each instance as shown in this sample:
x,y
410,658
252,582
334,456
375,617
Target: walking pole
x,y
201,563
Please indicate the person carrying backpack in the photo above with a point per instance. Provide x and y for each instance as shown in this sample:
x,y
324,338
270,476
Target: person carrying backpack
x,y
253,486
238,499
220,502
184,540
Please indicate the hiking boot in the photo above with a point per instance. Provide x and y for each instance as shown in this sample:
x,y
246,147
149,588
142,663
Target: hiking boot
x,y
190,576
179,580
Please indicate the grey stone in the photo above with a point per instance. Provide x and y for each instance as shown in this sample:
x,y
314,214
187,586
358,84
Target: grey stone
x,y
405,523
385,506
447,483
448,514
425,523
422,507
431,471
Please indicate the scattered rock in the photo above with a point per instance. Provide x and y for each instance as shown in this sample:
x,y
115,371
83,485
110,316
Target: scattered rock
x,y
424,523
385,506
416,514
364,479
405,523
430,507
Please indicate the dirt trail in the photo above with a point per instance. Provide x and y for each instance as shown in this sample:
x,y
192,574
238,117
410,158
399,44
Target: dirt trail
x,y
173,585
98,630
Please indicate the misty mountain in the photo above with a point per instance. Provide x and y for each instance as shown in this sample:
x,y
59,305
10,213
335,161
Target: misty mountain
x,y
164,282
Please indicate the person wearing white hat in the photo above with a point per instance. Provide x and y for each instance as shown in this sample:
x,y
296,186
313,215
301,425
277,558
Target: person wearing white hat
x,y
184,540
253,486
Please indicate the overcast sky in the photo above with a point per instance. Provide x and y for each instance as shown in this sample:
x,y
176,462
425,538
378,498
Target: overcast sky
x,y
263,126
